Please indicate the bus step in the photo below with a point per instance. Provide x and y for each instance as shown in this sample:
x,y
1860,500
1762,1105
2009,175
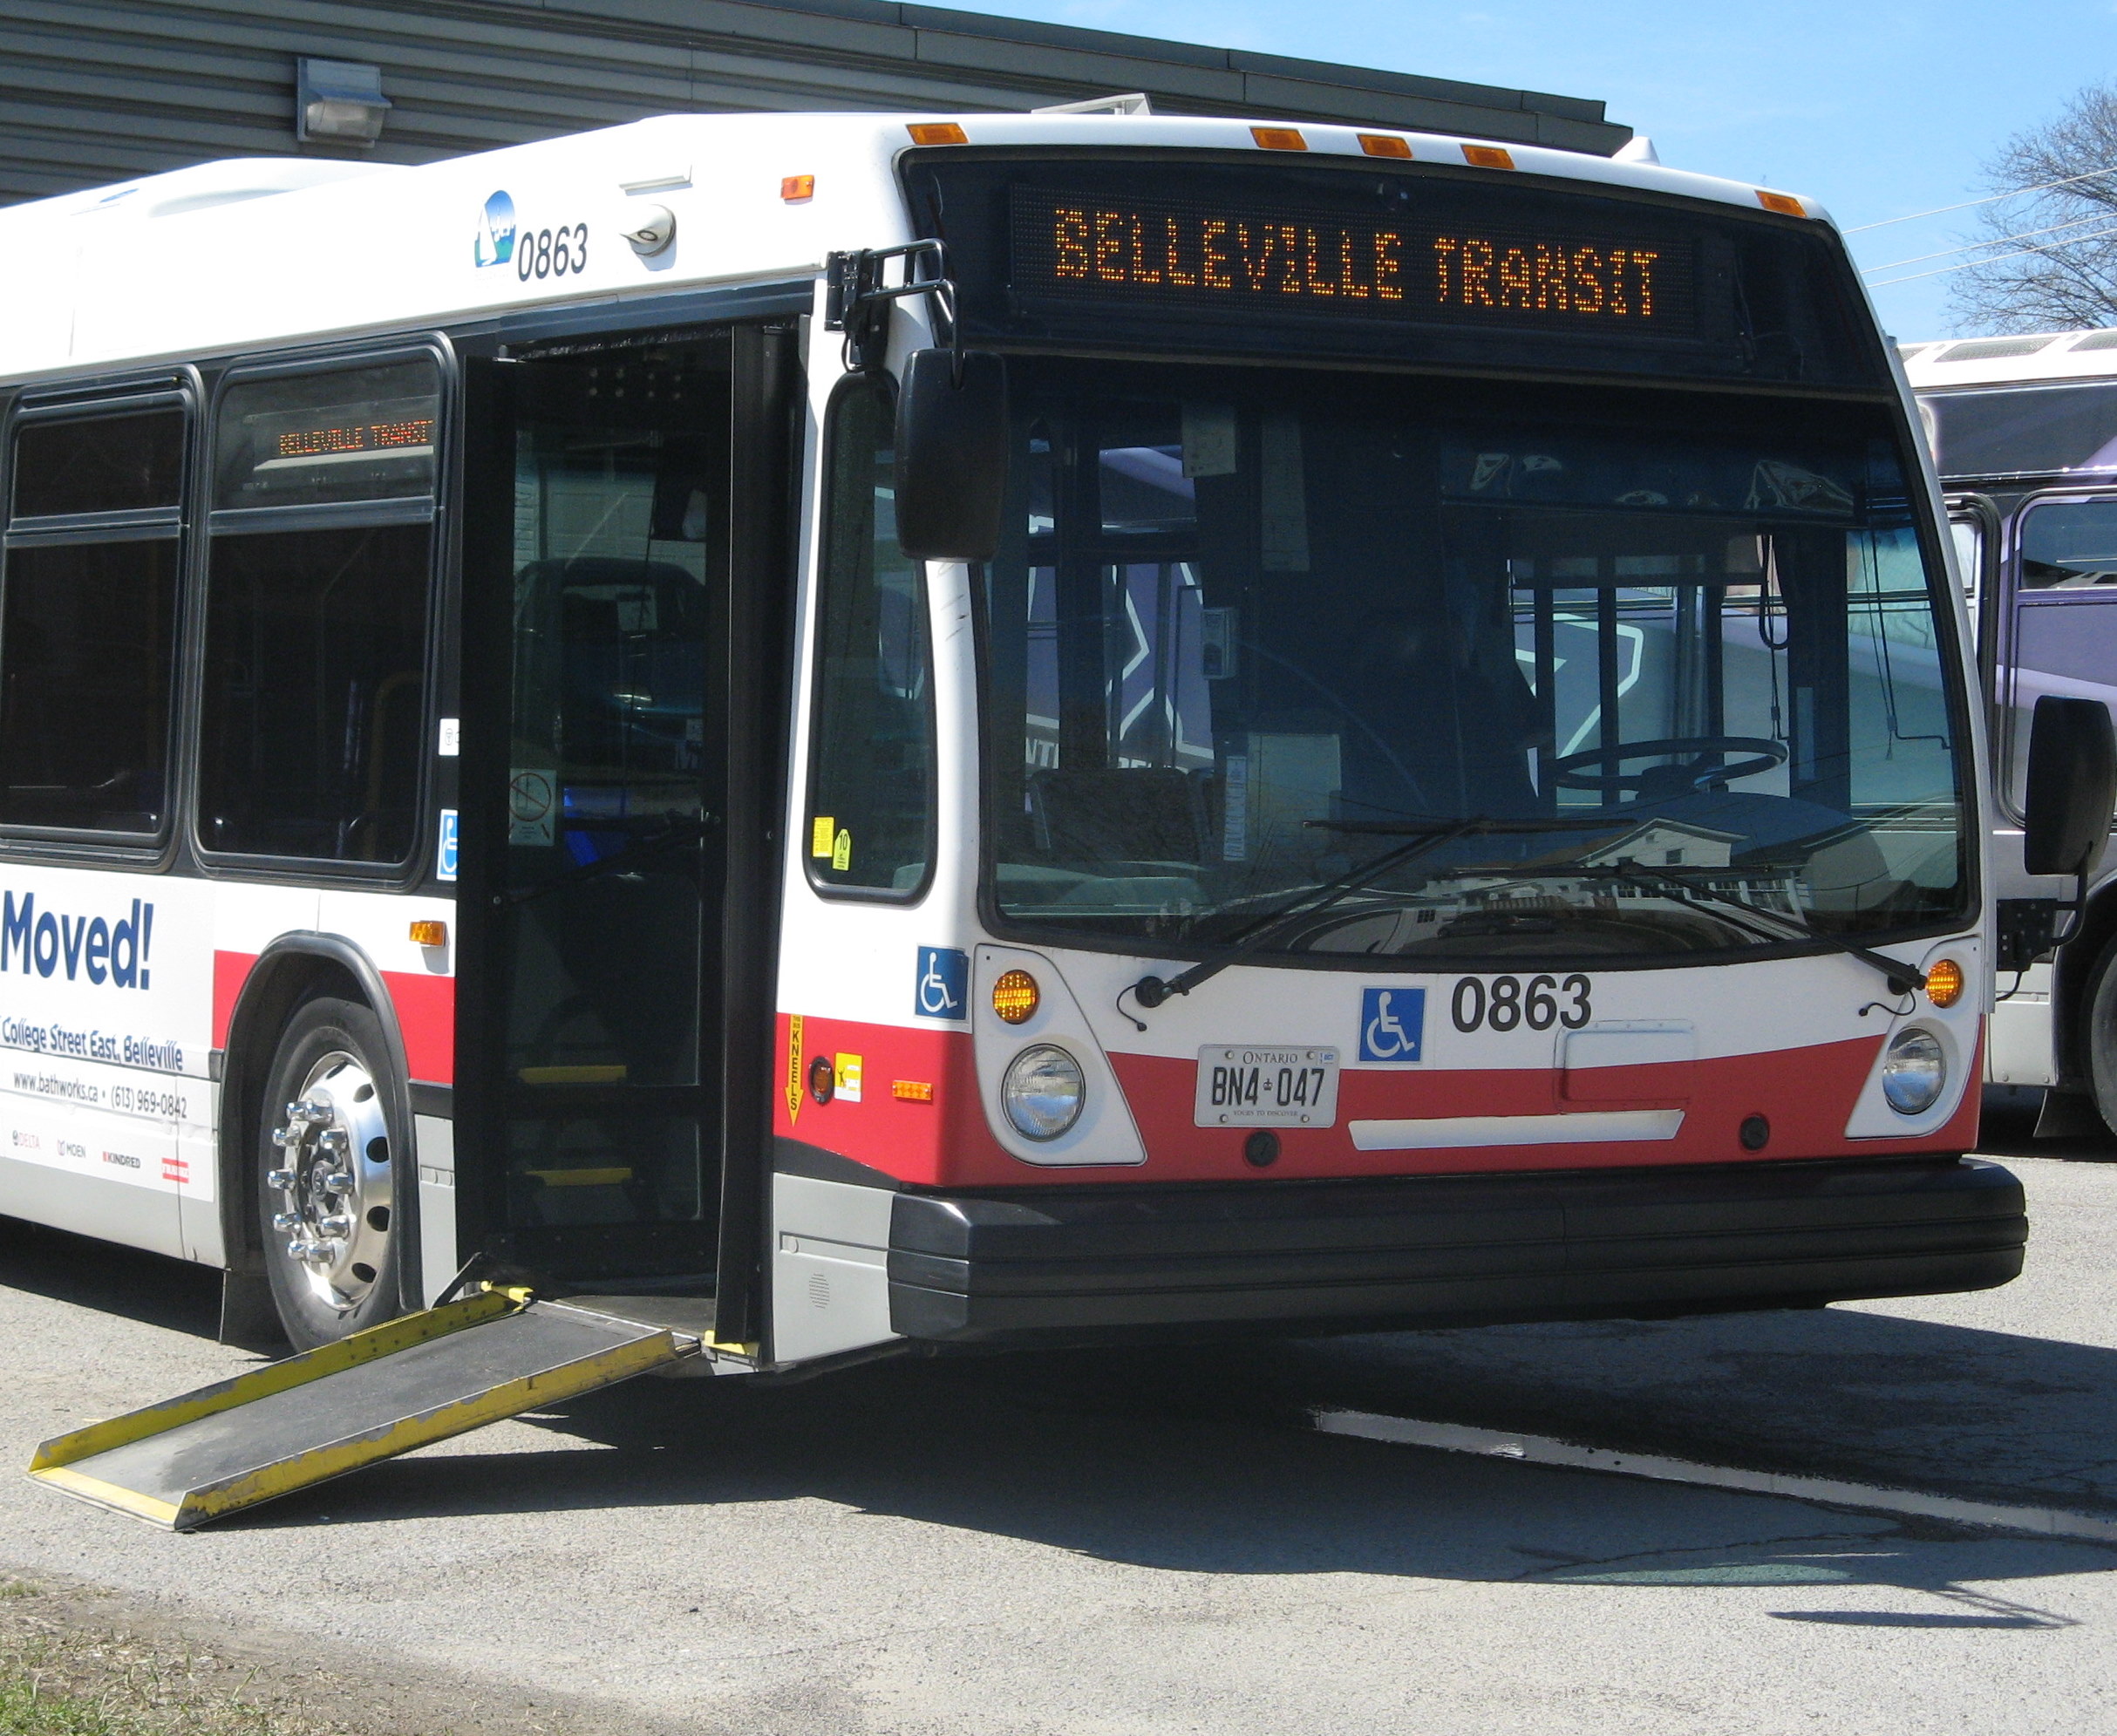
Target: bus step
x,y
380,1393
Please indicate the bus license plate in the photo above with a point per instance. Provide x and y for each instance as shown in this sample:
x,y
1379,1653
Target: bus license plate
x,y
1243,1087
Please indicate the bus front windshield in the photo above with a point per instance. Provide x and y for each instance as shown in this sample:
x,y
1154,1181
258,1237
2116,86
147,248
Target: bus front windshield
x,y
1426,668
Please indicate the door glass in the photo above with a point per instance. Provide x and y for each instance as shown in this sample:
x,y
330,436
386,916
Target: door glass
x,y
1968,536
611,857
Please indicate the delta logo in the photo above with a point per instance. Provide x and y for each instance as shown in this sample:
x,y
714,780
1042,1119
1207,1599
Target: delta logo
x,y
494,244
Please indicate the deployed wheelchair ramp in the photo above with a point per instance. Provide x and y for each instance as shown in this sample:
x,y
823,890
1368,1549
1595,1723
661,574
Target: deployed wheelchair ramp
x,y
325,1411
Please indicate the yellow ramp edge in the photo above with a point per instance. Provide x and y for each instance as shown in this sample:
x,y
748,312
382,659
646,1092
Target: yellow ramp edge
x,y
186,1461
278,1377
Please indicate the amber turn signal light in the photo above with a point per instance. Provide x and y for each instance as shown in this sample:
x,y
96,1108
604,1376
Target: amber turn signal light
x,y
1944,982
795,186
430,933
1015,995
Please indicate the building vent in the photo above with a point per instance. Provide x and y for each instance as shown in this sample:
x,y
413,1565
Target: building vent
x,y
1991,349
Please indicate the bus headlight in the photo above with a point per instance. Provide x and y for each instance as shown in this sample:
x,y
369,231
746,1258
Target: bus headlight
x,y
1913,1068
1044,1091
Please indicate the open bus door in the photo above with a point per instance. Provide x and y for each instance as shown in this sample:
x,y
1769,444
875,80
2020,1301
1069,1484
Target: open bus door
x,y
626,570
626,563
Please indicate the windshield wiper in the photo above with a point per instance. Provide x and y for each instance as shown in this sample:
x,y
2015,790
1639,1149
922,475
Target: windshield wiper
x,y
1424,836
1902,978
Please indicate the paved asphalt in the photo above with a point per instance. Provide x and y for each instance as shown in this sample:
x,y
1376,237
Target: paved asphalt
x,y
1077,1548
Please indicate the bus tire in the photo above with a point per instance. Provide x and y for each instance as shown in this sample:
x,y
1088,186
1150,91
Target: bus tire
x,y
327,1195
2098,1035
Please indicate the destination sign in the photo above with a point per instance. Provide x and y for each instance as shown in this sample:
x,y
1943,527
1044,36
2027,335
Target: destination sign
x,y
364,437
1328,265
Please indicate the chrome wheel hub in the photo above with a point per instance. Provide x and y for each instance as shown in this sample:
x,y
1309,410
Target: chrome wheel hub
x,y
333,1186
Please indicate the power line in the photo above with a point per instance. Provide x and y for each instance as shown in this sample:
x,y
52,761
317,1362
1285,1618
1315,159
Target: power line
x,y
1943,270
1968,204
1996,241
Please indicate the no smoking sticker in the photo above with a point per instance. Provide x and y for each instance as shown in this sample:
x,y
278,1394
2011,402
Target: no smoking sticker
x,y
532,797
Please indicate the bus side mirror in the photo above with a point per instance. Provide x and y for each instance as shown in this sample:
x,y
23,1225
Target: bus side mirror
x,y
951,455
2071,788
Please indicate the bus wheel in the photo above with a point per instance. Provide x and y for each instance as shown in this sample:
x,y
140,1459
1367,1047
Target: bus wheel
x,y
2100,1008
327,1200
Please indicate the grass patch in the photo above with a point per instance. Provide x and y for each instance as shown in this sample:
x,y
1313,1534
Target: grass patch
x,y
35,1702
59,1679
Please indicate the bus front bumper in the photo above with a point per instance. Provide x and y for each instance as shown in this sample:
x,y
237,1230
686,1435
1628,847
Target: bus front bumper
x,y
1049,1265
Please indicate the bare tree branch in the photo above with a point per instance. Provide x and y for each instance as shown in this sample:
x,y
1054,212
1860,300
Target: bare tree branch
x,y
2065,285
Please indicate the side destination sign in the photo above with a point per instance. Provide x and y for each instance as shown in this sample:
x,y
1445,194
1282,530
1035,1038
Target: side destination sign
x,y
1332,264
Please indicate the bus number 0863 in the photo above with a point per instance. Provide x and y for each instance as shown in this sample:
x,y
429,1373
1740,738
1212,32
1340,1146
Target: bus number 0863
x,y
1507,1001
551,252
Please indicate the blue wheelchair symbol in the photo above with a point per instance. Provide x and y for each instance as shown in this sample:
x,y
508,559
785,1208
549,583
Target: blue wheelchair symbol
x,y
944,984
1393,1023
445,860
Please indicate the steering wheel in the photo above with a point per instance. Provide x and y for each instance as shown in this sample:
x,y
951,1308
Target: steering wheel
x,y
1708,763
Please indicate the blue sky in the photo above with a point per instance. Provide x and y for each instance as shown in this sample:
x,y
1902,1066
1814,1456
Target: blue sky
x,y
1879,110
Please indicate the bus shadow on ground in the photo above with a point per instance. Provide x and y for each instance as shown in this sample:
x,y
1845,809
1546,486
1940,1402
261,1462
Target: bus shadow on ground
x,y
2009,1130
1212,1482
150,1288
1202,1462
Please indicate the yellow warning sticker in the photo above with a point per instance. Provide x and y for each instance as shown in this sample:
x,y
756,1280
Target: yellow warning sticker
x,y
794,1067
846,1079
821,831
841,852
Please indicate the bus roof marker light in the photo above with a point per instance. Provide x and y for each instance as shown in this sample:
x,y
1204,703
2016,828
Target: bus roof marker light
x,y
1385,145
1489,157
794,187
1278,139
1016,996
937,132
1944,982
1785,204
652,230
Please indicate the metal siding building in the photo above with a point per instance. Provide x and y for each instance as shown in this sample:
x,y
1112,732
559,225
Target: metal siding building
x,y
93,91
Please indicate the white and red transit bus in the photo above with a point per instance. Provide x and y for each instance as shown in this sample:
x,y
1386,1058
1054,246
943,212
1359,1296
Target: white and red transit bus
x,y
1025,729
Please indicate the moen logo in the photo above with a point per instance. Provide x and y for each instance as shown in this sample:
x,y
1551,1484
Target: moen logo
x,y
104,952
495,240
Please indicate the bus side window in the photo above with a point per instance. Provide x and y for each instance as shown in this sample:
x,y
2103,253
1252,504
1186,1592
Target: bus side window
x,y
88,621
870,821
316,614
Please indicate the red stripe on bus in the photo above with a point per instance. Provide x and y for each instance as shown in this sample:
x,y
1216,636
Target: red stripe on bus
x,y
928,1140
230,971
1807,1094
425,1009
426,1014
